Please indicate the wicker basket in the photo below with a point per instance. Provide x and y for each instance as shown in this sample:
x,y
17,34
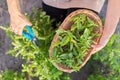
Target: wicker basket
x,y
66,25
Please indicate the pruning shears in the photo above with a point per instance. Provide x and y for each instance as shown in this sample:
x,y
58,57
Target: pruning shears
x,y
30,35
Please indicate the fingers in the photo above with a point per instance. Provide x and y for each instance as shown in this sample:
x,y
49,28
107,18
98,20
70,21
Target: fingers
x,y
18,23
100,45
93,45
17,29
97,48
94,51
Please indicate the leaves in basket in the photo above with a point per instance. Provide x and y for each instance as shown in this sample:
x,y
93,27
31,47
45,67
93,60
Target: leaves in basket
x,y
72,44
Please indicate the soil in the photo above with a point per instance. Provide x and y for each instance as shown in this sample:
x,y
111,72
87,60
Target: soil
x,y
9,62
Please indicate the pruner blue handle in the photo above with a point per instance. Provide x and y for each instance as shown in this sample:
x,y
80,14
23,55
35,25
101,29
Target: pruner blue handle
x,y
30,34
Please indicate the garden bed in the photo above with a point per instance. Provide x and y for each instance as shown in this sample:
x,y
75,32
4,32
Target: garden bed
x,y
82,74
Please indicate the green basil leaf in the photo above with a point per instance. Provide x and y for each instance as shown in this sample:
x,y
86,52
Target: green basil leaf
x,y
65,40
86,33
64,56
56,43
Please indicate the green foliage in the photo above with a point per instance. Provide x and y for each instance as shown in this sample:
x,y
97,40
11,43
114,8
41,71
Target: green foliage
x,y
96,77
111,53
36,58
109,57
12,75
72,44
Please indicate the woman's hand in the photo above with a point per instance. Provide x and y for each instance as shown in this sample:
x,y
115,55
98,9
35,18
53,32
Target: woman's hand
x,y
102,42
18,22
111,21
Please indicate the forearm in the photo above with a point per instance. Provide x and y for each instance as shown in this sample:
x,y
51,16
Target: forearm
x,y
112,18
13,6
